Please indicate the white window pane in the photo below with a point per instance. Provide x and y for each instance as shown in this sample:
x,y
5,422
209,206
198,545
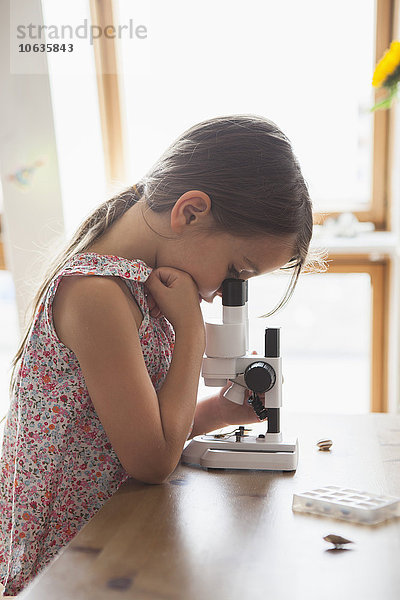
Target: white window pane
x,y
76,114
325,339
305,65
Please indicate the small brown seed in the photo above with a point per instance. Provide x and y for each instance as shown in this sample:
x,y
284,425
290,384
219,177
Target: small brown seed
x,y
337,540
324,444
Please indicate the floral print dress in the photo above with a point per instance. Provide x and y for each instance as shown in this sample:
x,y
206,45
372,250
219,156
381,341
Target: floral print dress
x,y
58,467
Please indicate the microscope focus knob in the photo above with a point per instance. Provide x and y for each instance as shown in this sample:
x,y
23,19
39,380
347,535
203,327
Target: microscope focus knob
x,y
260,377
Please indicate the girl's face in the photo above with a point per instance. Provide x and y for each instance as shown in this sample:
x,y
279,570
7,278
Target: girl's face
x,y
210,259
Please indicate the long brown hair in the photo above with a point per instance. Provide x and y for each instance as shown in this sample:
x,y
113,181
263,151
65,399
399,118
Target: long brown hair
x,y
246,165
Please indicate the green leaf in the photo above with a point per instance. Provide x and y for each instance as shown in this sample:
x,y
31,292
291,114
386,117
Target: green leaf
x,y
386,103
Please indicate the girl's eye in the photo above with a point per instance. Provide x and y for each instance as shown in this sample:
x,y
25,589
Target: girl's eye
x,y
233,272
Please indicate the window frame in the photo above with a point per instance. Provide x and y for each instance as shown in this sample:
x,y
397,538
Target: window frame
x,y
380,272
112,117
379,212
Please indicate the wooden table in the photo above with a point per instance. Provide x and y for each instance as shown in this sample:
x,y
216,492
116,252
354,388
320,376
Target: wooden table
x,y
233,535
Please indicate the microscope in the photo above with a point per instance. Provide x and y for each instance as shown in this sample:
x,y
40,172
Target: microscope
x,y
227,359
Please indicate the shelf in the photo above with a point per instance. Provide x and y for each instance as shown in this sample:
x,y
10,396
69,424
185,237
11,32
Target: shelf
x,y
374,243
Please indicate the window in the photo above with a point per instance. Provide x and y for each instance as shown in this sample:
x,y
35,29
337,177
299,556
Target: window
x,y
306,65
325,339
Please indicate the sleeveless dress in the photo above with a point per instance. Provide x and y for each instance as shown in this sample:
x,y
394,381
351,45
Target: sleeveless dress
x,y
58,467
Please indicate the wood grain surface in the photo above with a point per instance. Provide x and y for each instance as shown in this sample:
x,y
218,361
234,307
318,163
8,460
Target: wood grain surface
x,y
231,534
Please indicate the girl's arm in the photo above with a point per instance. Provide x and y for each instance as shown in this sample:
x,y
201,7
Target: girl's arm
x,y
207,417
178,394
216,412
98,323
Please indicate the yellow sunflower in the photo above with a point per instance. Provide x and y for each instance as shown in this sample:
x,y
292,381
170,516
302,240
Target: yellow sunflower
x,y
387,75
387,65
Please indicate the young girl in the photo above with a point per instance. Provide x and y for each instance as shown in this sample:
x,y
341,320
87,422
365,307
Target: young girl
x,y
110,362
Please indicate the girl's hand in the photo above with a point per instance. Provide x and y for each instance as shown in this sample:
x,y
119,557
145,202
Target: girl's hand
x,y
174,294
237,414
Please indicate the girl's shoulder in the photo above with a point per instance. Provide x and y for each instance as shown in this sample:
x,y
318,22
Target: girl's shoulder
x,y
76,288
109,276
92,263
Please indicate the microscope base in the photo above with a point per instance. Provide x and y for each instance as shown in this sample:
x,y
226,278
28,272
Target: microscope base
x,y
254,453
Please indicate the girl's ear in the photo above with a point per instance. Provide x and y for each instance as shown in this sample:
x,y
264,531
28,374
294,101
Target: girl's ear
x,y
192,206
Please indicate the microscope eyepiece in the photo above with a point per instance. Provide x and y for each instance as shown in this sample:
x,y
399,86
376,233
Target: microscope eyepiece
x,y
234,292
